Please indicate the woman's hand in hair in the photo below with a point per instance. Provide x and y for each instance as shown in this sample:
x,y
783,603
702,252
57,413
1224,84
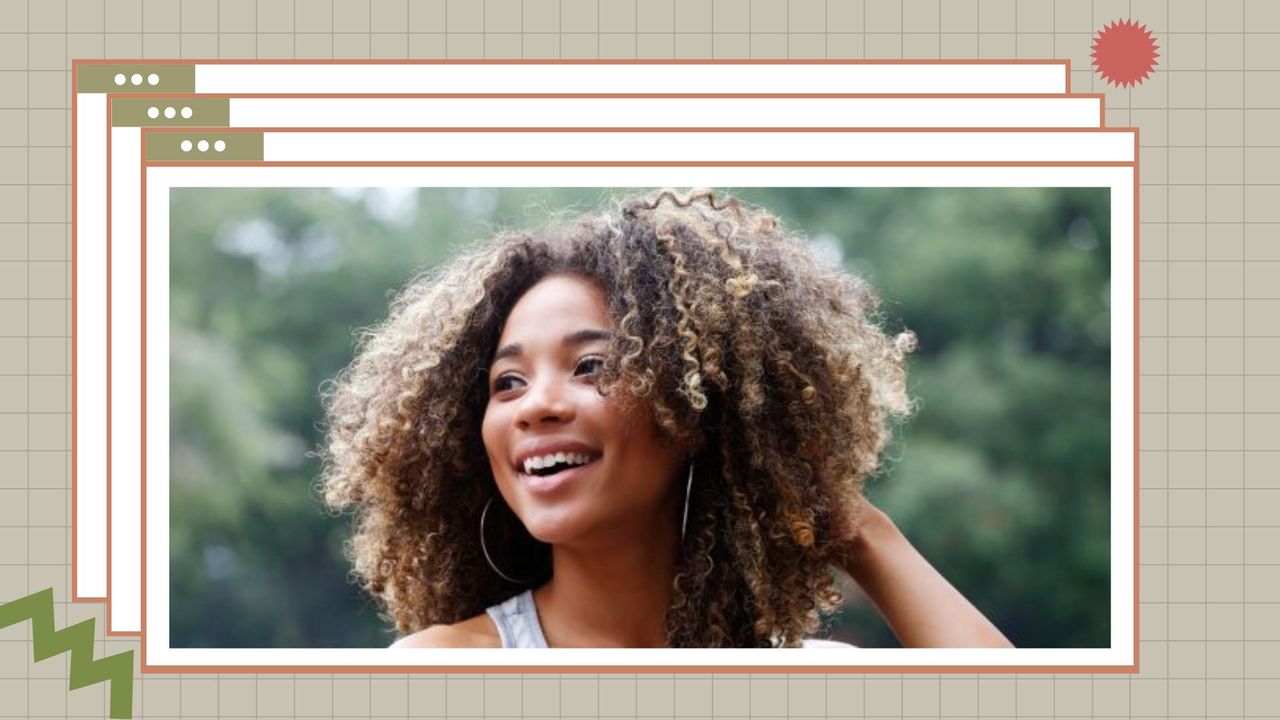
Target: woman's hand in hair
x,y
920,606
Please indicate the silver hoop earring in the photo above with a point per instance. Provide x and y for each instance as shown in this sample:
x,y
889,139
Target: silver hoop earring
x,y
484,548
688,490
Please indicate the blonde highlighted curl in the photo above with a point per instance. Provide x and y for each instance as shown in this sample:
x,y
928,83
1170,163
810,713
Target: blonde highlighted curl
x,y
769,367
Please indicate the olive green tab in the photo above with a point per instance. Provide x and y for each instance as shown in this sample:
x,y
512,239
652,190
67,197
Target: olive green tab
x,y
135,77
170,112
199,146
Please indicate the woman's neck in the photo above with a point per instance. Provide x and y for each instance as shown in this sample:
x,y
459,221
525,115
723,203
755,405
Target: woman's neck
x,y
612,591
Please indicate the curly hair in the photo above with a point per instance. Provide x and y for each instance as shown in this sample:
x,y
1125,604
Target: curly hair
x,y
769,367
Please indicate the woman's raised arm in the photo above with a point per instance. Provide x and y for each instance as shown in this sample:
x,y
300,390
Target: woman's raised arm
x,y
920,606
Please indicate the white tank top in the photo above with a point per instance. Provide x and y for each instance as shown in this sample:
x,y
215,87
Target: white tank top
x,y
518,626
517,621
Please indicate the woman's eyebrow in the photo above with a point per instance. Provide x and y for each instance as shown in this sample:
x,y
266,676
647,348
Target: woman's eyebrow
x,y
585,336
577,337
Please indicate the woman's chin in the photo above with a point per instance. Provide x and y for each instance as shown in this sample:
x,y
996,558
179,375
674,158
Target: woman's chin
x,y
553,528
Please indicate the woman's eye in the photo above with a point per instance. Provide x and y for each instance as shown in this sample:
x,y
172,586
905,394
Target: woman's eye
x,y
590,365
505,382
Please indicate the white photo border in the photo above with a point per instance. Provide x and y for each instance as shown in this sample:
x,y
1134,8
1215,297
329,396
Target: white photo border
x,y
1121,656
322,146
91,406
125,147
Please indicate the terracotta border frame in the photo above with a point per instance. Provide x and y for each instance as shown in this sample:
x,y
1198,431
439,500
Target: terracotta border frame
x,y
77,62
648,669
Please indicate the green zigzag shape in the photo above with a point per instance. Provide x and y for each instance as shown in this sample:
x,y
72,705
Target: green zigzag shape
x,y
78,640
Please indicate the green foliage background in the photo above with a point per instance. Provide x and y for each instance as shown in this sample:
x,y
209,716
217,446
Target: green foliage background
x,y
1001,478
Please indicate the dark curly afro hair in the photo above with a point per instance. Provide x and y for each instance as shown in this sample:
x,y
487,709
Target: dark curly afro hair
x,y
769,367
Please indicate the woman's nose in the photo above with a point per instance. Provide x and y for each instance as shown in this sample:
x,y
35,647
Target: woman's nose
x,y
546,401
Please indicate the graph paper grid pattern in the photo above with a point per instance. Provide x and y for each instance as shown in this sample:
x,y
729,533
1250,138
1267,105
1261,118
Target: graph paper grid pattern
x,y
1209,313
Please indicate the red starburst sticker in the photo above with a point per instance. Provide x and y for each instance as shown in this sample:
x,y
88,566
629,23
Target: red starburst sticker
x,y
1124,53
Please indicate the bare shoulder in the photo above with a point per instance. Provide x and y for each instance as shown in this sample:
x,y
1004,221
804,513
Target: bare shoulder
x,y
476,632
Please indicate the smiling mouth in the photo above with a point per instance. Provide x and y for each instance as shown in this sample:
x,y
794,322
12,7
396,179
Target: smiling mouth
x,y
553,476
553,462
557,468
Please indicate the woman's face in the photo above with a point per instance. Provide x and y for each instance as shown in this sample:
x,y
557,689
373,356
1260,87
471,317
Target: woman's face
x,y
574,465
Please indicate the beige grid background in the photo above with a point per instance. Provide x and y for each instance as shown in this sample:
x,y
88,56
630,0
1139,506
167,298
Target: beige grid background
x,y
1210,317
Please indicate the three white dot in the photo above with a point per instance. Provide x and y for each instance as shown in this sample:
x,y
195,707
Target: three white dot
x,y
136,79
169,112
203,146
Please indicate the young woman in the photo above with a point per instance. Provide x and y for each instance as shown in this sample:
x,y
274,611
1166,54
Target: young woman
x,y
647,428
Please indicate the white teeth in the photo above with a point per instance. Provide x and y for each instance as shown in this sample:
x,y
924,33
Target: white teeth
x,y
543,461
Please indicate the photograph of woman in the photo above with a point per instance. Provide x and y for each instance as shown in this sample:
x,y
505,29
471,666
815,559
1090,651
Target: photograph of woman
x,y
647,426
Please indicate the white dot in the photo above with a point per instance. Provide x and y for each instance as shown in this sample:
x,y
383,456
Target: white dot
x,y
170,112
220,145
203,145
120,78
153,112
186,146
186,112
152,79
136,79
